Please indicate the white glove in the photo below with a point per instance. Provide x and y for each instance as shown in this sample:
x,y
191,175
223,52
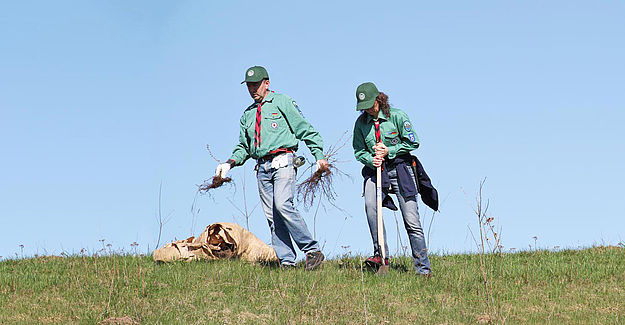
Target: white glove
x,y
222,170
318,165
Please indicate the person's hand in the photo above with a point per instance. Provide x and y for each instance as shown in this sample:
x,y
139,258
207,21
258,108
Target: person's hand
x,y
222,170
380,149
377,161
321,163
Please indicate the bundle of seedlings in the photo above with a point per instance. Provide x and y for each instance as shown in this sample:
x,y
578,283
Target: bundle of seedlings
x,y
216,181
320,185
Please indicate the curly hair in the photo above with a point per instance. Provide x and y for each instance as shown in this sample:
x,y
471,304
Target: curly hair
x,y
385,107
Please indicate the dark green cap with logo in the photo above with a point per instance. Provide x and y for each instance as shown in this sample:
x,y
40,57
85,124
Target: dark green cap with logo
x,y
255,74
365,96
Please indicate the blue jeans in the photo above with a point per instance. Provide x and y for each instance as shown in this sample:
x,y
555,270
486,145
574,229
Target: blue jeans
x,y
410,212
276,187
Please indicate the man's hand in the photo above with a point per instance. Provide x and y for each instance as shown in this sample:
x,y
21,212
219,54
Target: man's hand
x,y
321,163
377,161
380,149
222,170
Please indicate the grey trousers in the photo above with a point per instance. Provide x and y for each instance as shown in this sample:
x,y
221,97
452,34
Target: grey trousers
x,y
410,213
276,187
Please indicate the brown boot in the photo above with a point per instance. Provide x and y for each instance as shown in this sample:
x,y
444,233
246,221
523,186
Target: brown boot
x,y
313,260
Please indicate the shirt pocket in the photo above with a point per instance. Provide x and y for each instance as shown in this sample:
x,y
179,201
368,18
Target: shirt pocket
x,y
274,121
391,137
392,141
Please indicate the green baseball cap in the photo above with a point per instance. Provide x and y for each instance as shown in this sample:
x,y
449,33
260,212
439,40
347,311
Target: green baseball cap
x,y
365,96
255,74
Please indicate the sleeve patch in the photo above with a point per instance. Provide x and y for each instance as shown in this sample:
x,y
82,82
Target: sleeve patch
x,y
412,137
297,107
407,126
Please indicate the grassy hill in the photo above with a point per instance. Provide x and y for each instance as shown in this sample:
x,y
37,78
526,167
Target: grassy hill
x,y
570,286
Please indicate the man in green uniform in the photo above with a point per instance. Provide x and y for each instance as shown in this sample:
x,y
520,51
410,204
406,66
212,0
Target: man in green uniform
x,y
271,129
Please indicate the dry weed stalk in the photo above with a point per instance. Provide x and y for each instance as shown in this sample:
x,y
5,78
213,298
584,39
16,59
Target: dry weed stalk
x,y
320,183
362,284
159,218
491,238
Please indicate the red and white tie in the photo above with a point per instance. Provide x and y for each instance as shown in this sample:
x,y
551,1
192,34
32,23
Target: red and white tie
x,y
377,131
257,128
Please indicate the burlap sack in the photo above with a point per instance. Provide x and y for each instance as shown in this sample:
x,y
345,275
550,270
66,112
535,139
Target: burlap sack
x,y
217,241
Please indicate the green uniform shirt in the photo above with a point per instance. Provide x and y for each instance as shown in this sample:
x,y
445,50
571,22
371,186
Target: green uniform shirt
x,y
395,132
282,126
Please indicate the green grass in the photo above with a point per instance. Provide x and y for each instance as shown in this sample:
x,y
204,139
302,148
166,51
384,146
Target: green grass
x,y
584,287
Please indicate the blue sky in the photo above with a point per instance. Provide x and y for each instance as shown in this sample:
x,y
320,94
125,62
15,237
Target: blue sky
x,y
102,101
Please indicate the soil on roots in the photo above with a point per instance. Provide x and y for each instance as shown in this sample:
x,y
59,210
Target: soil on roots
x,y
320,182
215,182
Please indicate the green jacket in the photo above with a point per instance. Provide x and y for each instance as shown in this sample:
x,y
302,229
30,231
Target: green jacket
x,y
282,126
396,133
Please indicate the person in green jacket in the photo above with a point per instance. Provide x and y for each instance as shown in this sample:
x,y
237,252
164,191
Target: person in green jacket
x,y
384,136
270,131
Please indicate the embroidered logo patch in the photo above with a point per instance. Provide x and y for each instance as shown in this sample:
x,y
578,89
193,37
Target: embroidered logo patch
x,y
394,140
250,73
412,137
274,125
407,126
361,96
392,133
299,110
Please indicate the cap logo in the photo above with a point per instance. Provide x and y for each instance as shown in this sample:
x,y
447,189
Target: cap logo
x,y
250,73
361,96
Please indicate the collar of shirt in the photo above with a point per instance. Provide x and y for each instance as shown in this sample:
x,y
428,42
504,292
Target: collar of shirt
x,y
381,117
268,99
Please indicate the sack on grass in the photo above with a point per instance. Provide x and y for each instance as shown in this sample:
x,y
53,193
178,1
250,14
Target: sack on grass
x,y
218,241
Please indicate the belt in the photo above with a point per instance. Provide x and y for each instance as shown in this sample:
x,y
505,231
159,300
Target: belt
x,y
276,152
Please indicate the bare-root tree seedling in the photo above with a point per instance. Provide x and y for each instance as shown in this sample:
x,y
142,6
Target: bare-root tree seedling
x,y
215,181
320,184
218,181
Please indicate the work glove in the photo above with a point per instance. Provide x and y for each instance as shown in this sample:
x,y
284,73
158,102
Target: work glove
x,y
320,163
222,170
